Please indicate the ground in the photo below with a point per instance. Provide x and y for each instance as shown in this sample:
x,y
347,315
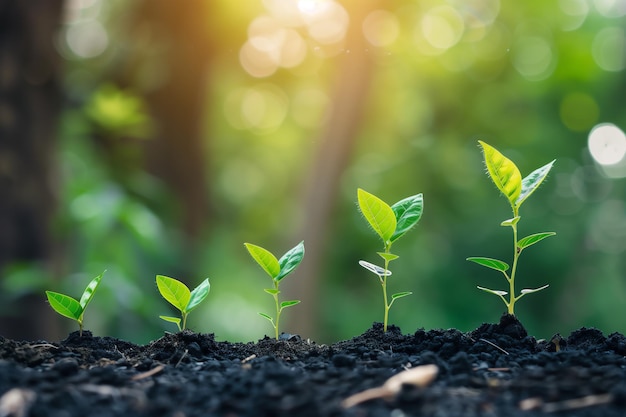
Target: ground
x,y
495,370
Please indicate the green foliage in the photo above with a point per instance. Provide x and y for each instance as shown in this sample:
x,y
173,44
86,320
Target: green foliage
x,y
177,294
70,307
277,269
506,176
390,223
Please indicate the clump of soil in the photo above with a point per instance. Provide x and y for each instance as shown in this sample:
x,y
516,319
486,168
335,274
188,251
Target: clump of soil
x,y
495,370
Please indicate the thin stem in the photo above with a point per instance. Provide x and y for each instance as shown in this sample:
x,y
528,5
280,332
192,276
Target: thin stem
x,y
277,310
512,299
384,284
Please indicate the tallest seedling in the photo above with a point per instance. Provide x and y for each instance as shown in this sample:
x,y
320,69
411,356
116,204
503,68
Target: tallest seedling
x,y
506,176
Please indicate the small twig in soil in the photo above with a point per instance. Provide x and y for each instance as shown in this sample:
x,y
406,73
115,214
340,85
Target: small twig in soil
x,y
420,376
248,359
149,373
494,345
181,358
575,403
40,345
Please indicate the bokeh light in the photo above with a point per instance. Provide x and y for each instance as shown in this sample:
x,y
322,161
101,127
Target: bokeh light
x,y
381,28
607,144
609,49
579,111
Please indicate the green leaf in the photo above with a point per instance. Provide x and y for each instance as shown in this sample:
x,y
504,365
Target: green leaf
x,y
528,290
285,304
490,263
381,272
532,239
272,291
387,256
511,222
503,172
378,214
174,291
408,212
496,292
265,316
171,320
400,294
198,295
290,260
65,305
533,181
265,259
90,291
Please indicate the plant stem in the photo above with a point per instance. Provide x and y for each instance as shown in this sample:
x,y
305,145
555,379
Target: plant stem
x,y
277,310
184,322
516,253
383,282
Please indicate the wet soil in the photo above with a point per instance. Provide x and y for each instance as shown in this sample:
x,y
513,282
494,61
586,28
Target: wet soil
x,y
495,370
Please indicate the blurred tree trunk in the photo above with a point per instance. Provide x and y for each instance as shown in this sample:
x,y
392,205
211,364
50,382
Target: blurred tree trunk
x,y
336,143
177,155
30,101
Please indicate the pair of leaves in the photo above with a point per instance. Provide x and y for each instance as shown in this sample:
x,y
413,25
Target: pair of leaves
x,y
521,244
70,307
178,294
390,222
277,269
507,177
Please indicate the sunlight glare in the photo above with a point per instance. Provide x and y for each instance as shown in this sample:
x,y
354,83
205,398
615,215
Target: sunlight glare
x,y
442,27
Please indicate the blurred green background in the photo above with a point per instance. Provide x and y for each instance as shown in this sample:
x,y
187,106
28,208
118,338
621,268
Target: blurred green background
x,y
187,130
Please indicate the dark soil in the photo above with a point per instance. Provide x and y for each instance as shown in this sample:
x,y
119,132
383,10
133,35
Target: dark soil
x,y
496,370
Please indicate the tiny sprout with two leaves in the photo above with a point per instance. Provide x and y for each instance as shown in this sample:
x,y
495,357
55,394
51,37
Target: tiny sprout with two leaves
x,y
389,223
70,307
178,295
277,269
507,178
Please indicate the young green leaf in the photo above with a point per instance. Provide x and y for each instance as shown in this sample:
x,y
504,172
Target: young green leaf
x,y
272,291
285,304
511,222
400,294
408,212
90,291
532,239
265,259
387,256
503,172
265,316
532,181
198,295
381,272
174,291
290,260
378,214
490,263
65,305
175,320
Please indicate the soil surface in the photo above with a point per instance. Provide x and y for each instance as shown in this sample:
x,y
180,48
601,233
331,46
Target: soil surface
x,y
495,370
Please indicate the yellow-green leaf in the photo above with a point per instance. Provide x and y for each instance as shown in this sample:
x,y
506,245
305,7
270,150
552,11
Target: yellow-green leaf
x,y
503,172
265,259
65,305
174,291
90,291
378,214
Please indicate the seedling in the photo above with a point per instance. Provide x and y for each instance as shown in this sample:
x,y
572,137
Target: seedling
x,y
390,223
277,269
70,307
177,294
506,176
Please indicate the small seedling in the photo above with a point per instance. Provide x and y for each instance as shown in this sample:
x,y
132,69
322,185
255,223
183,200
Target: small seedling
x,y
178,295
390,223
277,269
69,307
506,176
